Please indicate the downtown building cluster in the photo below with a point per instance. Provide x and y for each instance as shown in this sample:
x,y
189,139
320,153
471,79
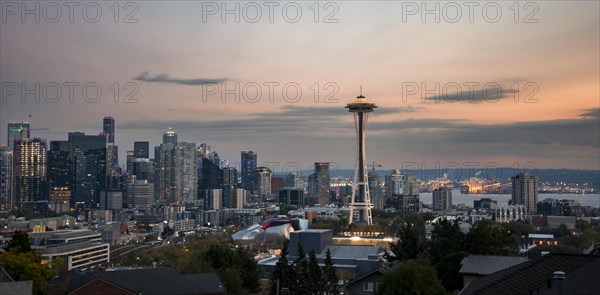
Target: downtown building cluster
x,y
83,173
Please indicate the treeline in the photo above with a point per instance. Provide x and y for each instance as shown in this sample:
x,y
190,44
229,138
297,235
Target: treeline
x,y
24,264
235,265
303,276
449,244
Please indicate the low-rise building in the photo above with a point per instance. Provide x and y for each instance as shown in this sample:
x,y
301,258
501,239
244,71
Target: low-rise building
x,y
81,249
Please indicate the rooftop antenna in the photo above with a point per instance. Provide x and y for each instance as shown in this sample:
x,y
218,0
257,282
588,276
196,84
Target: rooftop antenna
x,y
361,96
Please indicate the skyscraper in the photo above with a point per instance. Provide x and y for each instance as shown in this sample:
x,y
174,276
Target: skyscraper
x,y
89,167
108,126
130,159
15,129
442,199
525,191
176,168
29,168
143,169
360,207
248,165
170,136
230,177
293,180
263,183
59,165
402,192
140,194
377,198
401,184
322,183
211,175
141,149
6,179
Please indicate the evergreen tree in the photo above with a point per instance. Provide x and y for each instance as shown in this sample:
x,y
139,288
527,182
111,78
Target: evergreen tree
x,y
19,243
282,271
330,276
301,272
410,244
488,238
446,251
315,283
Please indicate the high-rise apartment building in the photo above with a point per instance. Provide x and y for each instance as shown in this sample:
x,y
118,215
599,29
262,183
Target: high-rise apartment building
x,y
293,180
16,130
442,199
230,177
263,187
322,183
143,169
176,167
402,192
59,164
248,169
108,128
211,176
89,168
401,184
377,197
141,149
29,168
6,179
170,136
525,191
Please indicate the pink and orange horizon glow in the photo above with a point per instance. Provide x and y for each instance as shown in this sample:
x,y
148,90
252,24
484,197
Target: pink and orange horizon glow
x,y
548,71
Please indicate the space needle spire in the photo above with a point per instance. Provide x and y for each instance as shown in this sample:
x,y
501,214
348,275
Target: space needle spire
x,y
360,207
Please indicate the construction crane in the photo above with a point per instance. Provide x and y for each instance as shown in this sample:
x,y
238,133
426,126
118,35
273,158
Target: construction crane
x,y
21,129
373,166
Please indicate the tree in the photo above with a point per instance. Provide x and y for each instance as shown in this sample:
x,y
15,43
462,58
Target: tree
x,y
519,231
237,264
446,251
315,282
19,243
25,266
413,277
282,273
330,275
488,238
582,225
562,230
410,244
301,272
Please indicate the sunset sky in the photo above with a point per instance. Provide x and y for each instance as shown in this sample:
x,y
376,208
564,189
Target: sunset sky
x,y
172,50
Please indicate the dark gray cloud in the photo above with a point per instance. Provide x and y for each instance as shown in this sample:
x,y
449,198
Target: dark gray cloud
x,y
580,132
164,78
489,94
288,119
593,113
328,132
330,122
319,112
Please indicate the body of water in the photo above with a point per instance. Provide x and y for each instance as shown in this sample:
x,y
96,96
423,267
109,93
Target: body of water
x,y
467,199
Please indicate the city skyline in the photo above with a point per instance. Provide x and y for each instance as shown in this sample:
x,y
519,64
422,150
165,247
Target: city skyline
x,y
168,58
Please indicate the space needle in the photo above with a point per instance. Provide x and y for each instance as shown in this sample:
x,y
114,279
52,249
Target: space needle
x,y
360,207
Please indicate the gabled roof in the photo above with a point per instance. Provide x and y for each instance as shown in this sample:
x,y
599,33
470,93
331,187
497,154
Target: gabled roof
x,y
150,281
382,270
537,275
488,264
